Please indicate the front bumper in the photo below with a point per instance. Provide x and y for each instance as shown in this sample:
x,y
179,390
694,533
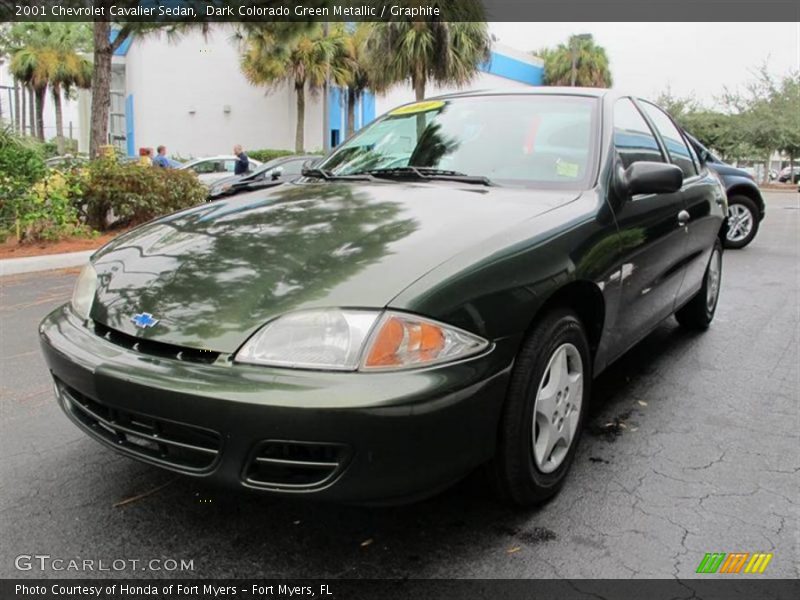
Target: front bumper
x,y
353,437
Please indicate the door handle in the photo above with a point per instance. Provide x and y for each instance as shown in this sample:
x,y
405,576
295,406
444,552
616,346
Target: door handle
x,y
683,218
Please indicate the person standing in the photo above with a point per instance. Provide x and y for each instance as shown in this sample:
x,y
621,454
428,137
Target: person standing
x,y
161,159
242,162
146,157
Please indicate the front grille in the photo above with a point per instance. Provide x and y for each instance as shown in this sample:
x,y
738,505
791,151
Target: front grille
x,y
176,445
154,348
297,466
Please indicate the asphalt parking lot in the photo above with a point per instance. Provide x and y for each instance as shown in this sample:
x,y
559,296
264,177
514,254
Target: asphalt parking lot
x,y
693,446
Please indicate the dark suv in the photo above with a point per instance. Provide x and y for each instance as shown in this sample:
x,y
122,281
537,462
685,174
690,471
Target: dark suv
x,y
746,206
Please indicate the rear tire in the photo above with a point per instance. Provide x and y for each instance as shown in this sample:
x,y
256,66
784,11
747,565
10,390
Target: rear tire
x,y
544,411
742,222
699,311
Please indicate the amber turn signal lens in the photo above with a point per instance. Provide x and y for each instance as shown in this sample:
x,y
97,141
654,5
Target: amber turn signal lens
x,y
400,342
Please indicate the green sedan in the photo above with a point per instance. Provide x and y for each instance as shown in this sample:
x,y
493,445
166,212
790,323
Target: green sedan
x,y
435,295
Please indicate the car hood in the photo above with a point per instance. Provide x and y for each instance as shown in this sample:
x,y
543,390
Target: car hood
x,y
214,274
725,169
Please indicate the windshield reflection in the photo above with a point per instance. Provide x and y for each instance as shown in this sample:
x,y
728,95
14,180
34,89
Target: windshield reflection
x,y
542,140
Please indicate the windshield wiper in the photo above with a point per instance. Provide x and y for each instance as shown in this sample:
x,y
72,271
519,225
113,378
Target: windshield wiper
x,y
428,173
330,176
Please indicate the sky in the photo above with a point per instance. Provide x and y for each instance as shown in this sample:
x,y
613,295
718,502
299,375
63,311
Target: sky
x,y
690,58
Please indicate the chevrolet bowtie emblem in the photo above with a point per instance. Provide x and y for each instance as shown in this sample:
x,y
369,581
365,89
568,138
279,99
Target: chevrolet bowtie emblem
x,y
144,320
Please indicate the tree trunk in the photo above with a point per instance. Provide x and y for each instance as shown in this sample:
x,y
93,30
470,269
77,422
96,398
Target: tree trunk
x,y
300,92
419,88
40,94
419,93
351,111
101,88
17,108
31,112
22,111
59,118
573,72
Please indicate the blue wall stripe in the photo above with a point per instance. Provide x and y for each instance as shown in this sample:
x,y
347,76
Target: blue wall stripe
x,y
367,108
130,142
514,69
123,49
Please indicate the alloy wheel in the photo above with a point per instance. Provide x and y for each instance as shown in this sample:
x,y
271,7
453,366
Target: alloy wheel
x,y
557,408
740,222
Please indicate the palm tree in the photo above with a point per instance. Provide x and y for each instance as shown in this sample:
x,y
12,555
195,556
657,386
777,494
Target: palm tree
x,y
71,70
31,65
302,61
48,55
355,62
579,62
444,52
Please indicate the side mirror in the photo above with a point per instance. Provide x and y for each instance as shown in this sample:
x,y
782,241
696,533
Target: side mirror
x,y
647,177
276,173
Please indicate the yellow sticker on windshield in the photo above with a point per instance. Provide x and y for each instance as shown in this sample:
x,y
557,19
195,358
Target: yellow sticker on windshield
x,y
417,107
567,169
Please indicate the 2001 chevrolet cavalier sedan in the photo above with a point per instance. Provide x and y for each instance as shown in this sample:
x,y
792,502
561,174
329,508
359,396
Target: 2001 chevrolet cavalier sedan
x,y
436,294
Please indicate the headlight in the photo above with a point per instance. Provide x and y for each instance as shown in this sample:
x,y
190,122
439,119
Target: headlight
x,y
349,340
83,294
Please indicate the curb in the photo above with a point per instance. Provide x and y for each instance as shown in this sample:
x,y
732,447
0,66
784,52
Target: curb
x,y
48,262
780,190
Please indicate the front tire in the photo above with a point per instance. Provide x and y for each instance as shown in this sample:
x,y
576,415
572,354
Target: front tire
x,y
742,222
544,411
699,311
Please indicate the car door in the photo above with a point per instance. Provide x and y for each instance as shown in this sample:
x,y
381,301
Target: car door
x,y
701,195
652,237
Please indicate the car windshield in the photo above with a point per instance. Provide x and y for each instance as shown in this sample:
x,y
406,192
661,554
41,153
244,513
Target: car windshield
x,y
536,140
267,166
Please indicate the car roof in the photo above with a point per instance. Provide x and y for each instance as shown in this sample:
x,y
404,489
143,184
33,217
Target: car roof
x,y
218,157
194,161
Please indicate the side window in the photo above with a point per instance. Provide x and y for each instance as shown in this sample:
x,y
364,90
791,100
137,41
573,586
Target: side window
x,y
693,153
204,167
229,166
633,138
293,167
676,145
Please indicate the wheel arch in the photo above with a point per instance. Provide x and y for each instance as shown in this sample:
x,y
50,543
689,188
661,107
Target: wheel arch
x,y
586,300
748,191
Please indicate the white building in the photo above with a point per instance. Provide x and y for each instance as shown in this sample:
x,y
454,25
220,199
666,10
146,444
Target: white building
x,y
190,95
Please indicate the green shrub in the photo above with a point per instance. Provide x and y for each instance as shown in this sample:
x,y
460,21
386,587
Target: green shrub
x,y
20,157
21,166
268,154
136,193
45,211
